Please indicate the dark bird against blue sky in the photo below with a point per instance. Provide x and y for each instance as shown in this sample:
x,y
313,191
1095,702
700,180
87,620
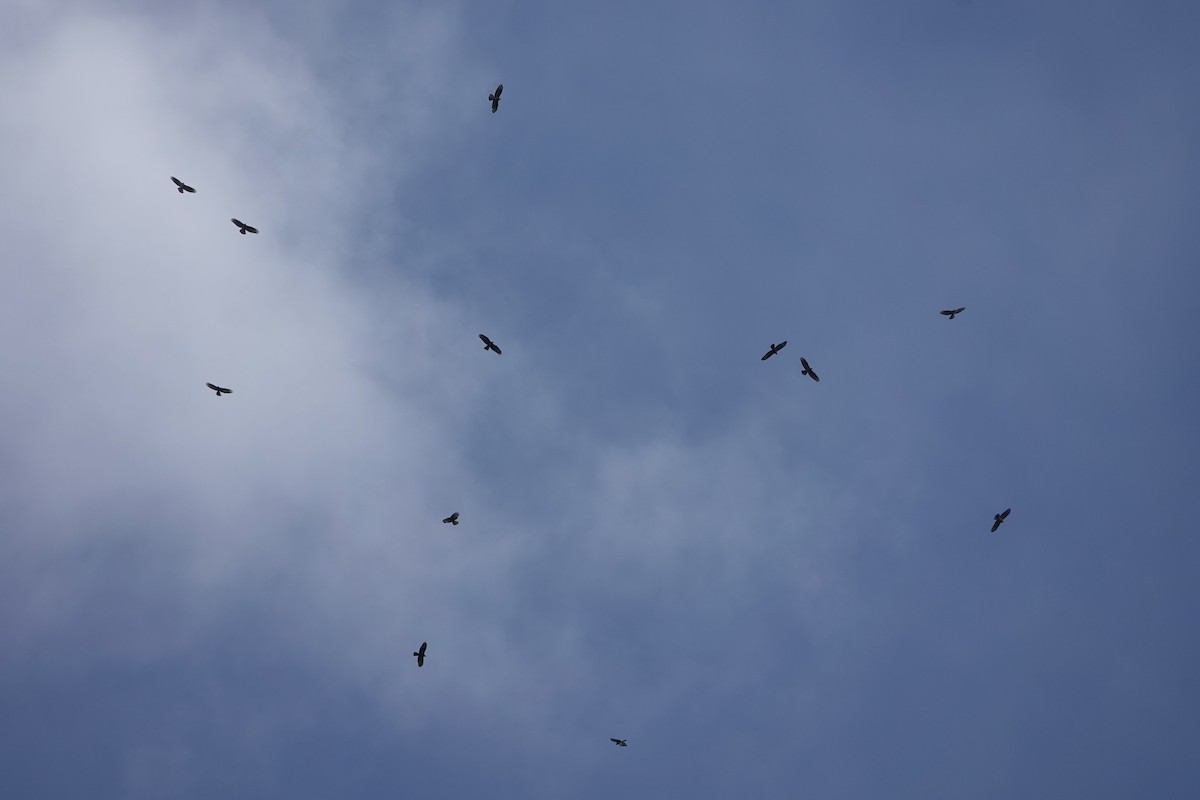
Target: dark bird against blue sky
x,y
452,519
243,228
420,654
952,312
495,98
807,370
775,348
183,187
220,390
1000,517
488,344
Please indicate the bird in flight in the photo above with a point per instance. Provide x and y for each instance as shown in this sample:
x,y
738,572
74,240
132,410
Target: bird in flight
x,y
420,654
220,390
495,97
808,370
183,187
488,344
619,742
950,312
775,348
243,227
452,519
1000,518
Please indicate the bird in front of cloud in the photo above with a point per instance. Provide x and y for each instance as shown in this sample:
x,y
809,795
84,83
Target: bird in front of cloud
x,y
1000,519
488,344
243,228
952,312
775,348
220,390
183,187
619,742
808,370
420,654
495,97
452,519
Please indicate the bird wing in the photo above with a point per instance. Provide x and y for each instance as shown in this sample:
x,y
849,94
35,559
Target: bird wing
x,y
485,340
237,222
499,89
495,104
1006,513
497,349
251,230
947,312
995,525
614,741
209,385
768,354
421,650
187,188
420,660
960,310
177,181
226,391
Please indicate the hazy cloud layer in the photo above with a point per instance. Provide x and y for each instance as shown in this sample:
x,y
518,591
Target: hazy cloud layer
x,y
768,585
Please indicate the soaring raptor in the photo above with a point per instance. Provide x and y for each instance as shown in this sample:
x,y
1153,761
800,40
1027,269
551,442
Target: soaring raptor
x,y
495,97
775,348
808,370
488,344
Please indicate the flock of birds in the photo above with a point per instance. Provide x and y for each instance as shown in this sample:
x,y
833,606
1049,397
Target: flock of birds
x,y
488,344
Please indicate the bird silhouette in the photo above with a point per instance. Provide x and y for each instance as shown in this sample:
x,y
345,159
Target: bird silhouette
x,y
420,654
183,187
1000,519
220,390
488,344
775,348
495,97
951,312
619,742
452,519
808,370
243,227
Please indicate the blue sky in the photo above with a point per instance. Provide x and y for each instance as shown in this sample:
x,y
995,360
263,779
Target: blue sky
x,y
768,586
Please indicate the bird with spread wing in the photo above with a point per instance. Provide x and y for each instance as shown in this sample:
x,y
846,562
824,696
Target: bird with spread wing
x,y
775,348
488,344
809,371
